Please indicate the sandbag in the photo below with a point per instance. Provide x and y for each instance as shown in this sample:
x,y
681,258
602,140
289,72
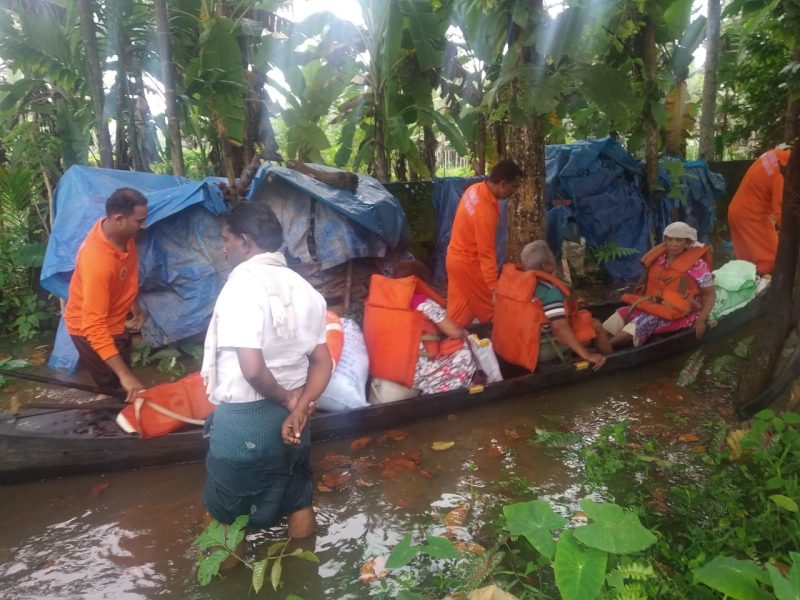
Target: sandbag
x,y
346,389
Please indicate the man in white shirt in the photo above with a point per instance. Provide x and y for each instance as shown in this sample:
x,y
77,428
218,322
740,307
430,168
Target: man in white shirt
x,y
265,364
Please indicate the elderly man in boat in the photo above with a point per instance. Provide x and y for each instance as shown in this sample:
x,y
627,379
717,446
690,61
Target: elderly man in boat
x,y
678,292
535,317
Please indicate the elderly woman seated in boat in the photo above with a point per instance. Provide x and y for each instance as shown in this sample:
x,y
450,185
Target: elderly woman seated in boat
x,y
410,339
535,318
678,293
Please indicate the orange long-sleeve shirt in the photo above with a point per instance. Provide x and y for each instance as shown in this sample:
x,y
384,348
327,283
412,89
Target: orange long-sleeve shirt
x,y
475,231
760,194
102,291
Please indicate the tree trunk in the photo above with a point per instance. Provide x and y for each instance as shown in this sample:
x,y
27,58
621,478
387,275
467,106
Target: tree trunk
x,y
780,318
480,146
94,71
651,141
429,149
168,78
710,80
380,165
526,209
792,132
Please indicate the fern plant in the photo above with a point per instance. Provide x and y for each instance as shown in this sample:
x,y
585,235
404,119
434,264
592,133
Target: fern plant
x,y
603,253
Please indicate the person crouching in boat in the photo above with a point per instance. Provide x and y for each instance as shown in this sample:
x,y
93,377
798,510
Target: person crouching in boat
x,y
410,339
679,290
535,318
265,363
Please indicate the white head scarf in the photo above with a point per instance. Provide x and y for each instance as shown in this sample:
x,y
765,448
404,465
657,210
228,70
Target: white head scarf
x,y
679,229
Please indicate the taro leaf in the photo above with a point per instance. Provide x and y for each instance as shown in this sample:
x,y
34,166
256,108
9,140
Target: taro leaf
x,y
236,531
579,572
784,589
791,418
275,574
209,566
15,363
734,578
165,353
213,535
784,502
613,529
402,554
534,520
439,547
259,571
406,595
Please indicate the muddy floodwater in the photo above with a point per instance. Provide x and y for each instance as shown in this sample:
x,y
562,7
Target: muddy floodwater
x,y
129,534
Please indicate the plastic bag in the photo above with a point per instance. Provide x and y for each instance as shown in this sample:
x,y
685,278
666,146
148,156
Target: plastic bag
x,y
483,352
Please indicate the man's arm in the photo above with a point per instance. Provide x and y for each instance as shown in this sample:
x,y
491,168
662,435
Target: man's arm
x,y
709,297
320,366
565,335
485,224
260,378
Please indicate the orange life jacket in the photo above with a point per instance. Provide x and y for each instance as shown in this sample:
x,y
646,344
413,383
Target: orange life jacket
x,y
519,316
393,330
334,336
670,292
164,408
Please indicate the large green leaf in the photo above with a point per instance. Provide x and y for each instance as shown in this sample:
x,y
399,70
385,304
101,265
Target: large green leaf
x,y
535,521
439,547
610,90
737,579
683,54
786,588
613,529
426,33
209,566
451,131
402,554
580,572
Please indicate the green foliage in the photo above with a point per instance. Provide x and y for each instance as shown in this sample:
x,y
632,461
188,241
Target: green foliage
x,y
436,547
11,364
169,360
603,253
219,542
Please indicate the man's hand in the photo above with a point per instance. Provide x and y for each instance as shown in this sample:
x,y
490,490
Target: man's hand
x,y
292,396
138,315
132,387
294,424
700,327
597,360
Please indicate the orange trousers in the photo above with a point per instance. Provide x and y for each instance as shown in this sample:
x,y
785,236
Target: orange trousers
x,y
468,295
754,238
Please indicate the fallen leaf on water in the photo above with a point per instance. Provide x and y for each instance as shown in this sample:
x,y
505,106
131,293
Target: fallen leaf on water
x,y
425,473
362,464
360,443
495,450
333,460
457,517
700,449
335,480
324,488
688,438
401,502
413,455
397,434
439,446
95,490
9,388
734,440
512,434
398,462
373,569
452,417
362,483
469,547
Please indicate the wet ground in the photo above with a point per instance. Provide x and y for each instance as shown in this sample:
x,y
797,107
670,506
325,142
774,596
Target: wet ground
x,y
129,534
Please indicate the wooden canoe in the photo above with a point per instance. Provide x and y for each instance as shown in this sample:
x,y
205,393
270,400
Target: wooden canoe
x,y
39,444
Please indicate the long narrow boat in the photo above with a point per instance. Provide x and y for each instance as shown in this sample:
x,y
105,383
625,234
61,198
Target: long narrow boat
x,y
38,444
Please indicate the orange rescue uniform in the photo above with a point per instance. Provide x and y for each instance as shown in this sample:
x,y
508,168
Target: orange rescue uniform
x,y
102,290
471,256
752,208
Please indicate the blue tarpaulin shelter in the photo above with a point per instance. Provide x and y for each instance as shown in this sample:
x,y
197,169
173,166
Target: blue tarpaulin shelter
x,y
181,265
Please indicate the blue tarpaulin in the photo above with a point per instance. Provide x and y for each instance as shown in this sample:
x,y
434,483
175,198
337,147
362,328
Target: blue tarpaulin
x,y
181,265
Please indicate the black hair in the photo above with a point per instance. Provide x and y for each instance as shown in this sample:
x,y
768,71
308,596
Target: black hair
x,y
123,201
258,222
404,268
505,170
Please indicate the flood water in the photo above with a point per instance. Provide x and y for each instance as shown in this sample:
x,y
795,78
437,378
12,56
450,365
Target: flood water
x,y
129,534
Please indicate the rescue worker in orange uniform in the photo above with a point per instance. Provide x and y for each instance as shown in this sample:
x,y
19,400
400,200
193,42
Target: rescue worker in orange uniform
x,y
756,209
103,291
535,318
471,256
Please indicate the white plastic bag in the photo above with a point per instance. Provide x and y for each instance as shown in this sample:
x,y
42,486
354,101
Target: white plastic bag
x,y
483,352
347,388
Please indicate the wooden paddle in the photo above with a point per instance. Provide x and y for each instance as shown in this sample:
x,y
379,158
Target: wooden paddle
x,y
113,403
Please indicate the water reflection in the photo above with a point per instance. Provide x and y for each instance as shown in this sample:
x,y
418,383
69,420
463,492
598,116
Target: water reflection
x,y
129,534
